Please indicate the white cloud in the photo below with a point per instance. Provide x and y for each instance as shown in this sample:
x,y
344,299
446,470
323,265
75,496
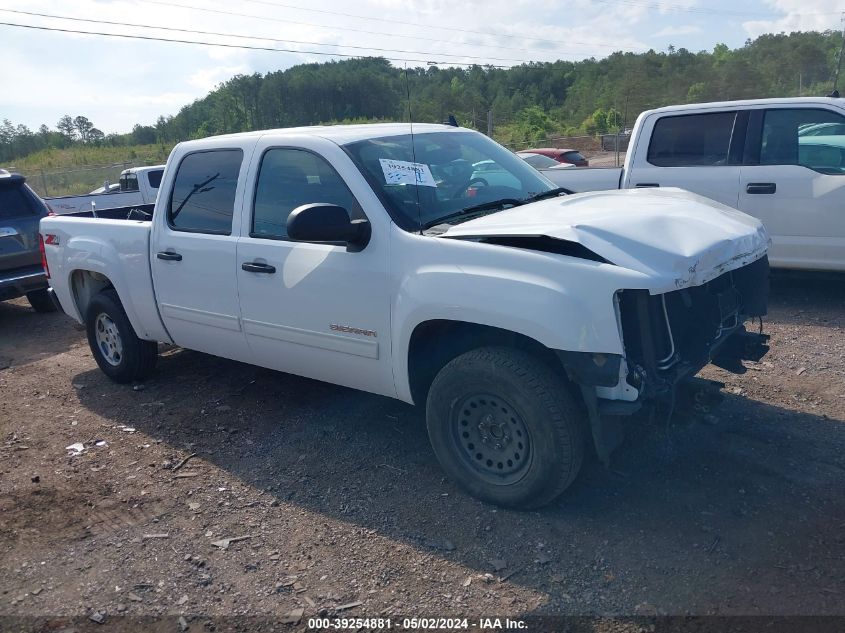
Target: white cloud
x,y
118,82
205,79
798,15
682,29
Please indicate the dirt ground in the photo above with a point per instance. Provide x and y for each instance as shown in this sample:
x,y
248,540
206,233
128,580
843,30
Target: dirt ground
x,y
333,498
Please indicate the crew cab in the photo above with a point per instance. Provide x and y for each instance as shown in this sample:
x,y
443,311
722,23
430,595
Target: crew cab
x,y
779,160
523,320
137,188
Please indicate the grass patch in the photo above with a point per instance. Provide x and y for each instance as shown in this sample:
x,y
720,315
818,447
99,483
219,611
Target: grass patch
x,y
80,169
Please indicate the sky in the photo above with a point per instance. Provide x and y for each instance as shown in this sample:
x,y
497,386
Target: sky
x,y
118,82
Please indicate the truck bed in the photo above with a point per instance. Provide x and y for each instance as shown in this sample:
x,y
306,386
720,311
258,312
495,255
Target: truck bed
x,y
143,212
71,204
116,252
583,179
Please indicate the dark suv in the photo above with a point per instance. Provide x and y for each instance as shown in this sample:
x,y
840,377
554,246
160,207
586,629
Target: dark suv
x,y
21,269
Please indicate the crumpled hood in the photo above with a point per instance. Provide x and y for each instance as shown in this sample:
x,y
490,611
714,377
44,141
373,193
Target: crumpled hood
x,y
675,237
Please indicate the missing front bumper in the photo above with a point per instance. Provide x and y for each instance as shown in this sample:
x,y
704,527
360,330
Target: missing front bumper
x,y
668,339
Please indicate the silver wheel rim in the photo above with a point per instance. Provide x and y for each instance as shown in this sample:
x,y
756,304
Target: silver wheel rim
x,y
108,339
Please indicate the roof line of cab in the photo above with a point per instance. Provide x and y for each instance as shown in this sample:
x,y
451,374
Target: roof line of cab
x,y
750,102
337,133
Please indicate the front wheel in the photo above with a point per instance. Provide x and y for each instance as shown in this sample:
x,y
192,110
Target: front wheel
x,y
504,427
119,352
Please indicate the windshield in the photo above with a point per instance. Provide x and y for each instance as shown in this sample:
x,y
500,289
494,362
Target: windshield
x,y
444,173
538,161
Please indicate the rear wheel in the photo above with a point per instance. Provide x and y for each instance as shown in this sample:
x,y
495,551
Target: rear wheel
x,y
41,301
505,428
119,352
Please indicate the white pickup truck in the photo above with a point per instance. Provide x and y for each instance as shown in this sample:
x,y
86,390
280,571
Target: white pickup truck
x,y
779,160
370,256
137,189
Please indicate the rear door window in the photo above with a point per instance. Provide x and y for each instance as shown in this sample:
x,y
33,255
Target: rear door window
x,y
203,198
154,178
692,140
808,137
14,203
538,161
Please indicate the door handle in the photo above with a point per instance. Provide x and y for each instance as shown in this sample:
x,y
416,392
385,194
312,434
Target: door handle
x,y
644,185
761,187
169,256
255,267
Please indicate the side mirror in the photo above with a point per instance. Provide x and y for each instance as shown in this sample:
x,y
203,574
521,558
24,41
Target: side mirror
x,y
323,222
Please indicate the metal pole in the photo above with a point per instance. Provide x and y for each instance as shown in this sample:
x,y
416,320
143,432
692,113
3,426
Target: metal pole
x,y
617,146
44,182
841,51
490,123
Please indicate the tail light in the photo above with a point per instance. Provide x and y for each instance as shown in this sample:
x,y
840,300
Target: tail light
x,y
43,255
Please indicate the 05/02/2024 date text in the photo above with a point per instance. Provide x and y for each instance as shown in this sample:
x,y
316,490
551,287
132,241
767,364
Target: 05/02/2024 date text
x,y
442,624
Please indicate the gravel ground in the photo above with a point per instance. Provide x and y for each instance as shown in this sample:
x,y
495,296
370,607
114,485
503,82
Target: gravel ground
x,y
304,498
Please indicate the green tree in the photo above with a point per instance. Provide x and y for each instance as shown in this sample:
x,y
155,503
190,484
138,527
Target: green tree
x,y
696,92
83,128
67,128
596,123
95,136
613,120
533,124
143,134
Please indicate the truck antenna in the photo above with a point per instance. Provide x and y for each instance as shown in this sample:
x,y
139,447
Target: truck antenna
x,y
413,149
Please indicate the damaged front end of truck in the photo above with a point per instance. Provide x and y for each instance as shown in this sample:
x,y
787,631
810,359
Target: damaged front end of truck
x,y
706,277
668,339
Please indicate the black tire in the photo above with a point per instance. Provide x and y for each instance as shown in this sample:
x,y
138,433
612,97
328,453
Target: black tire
x,y
136,358
518,415
41,301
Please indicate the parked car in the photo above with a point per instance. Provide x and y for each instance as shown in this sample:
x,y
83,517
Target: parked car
x,y
539,161
570,156
366,256
759,156
136,189
821,129
21,269
490,173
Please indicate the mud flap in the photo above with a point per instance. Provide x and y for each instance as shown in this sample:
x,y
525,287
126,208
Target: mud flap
x,y
605,424
591,402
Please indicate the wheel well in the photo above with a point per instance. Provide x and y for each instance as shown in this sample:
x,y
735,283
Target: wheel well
x,y
435,343
85,285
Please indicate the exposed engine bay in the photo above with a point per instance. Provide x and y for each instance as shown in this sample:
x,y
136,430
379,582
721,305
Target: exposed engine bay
x,y
671,336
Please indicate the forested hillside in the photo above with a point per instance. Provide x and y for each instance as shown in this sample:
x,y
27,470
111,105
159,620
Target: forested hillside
x,y
529,102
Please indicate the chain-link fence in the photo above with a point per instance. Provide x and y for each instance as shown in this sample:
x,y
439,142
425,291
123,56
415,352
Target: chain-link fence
x,y
603,150
79,181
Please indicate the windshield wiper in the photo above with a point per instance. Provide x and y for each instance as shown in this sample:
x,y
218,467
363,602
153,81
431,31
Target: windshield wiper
x,y
496,204
551,193
472,210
